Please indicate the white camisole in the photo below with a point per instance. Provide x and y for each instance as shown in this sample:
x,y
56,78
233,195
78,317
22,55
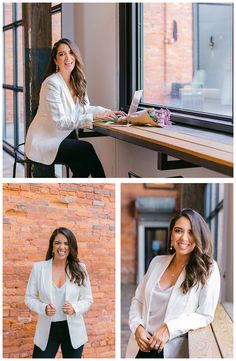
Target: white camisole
x,y
59,298
158,307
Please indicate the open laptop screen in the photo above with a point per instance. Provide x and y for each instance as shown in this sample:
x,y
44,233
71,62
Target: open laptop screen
x,y
135,101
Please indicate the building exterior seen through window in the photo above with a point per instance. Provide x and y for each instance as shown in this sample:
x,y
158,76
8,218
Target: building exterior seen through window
x,y
186,56
13,69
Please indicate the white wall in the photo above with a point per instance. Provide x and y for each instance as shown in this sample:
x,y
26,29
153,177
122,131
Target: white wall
x,y
94,28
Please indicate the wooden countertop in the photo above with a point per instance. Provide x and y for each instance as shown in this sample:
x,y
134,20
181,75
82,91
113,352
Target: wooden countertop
x,y
203,148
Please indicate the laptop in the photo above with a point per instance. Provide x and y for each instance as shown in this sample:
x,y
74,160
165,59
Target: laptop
x,y
135,101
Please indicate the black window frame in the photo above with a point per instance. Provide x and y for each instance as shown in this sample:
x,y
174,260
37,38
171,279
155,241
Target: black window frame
x,y
14,87
130,58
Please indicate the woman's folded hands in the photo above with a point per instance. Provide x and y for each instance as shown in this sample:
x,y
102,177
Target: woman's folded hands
x,y
159,338
147,342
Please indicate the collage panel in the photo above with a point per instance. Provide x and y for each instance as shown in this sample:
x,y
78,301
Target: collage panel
x,y
117,105
47,228
176,270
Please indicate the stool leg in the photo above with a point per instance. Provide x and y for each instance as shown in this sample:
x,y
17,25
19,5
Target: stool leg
x,y
30,170
14,170
67,171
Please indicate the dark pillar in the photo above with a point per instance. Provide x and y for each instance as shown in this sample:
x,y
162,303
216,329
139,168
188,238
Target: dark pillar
x,y
37,42
192,196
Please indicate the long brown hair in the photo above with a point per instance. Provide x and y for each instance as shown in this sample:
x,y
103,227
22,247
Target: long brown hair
x,y
200,260
77,75
77,273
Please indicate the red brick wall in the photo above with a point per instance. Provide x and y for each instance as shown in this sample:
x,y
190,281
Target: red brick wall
x,y
129,192
165,61
30,213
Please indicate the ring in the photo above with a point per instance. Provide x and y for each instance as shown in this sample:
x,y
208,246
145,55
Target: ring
x,y
157,346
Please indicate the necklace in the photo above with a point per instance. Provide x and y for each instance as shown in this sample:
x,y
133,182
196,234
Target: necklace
x,y
176,271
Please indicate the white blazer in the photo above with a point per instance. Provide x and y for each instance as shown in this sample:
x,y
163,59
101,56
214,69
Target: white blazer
x,y
184,311
56,117
39,294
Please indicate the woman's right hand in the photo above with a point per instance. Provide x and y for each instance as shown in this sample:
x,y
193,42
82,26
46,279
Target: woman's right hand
x,y
142,338
50,310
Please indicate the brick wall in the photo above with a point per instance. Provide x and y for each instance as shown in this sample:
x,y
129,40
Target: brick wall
x,y
129,192
166,62
30,213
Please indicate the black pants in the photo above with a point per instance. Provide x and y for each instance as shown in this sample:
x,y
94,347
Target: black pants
x,y
81,158
59,335
151,354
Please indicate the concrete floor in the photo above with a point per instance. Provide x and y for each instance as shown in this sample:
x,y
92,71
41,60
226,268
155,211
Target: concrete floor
x,y
127,292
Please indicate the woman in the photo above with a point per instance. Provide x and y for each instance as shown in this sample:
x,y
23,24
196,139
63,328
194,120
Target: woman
x,y
63,108
59,292
178,293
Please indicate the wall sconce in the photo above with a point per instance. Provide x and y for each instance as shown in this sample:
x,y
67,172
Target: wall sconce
x,y
174,30
174,37
211,43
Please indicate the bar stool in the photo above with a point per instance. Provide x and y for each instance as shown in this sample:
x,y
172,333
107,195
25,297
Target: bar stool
x,y
25,160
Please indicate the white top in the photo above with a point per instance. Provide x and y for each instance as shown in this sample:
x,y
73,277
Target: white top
x,y
59,299
159,302
56,117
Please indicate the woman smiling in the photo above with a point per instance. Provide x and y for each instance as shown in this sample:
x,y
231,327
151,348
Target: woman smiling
x,y
178,293
59,292
64,107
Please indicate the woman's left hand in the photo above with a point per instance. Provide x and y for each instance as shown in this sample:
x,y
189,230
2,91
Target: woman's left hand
x,y
159,338
68,309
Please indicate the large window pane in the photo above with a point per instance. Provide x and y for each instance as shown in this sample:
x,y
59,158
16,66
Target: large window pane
x,y
221,192
9,111
21,122
8,57
56,27
7,13
18,11
187,56
20,68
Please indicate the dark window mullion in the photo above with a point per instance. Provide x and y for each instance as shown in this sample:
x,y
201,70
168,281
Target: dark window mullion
x,y
15,78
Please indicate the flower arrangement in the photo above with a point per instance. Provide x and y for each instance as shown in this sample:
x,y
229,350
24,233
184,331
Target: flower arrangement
x,y
161,117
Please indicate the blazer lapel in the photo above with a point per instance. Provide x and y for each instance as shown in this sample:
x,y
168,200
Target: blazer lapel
x,y
152,281
176,292
66,90
68,285
47,279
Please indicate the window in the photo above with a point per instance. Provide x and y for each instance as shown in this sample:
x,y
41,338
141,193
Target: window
x,y
13,126
56,22
13,71
214,201
180,54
